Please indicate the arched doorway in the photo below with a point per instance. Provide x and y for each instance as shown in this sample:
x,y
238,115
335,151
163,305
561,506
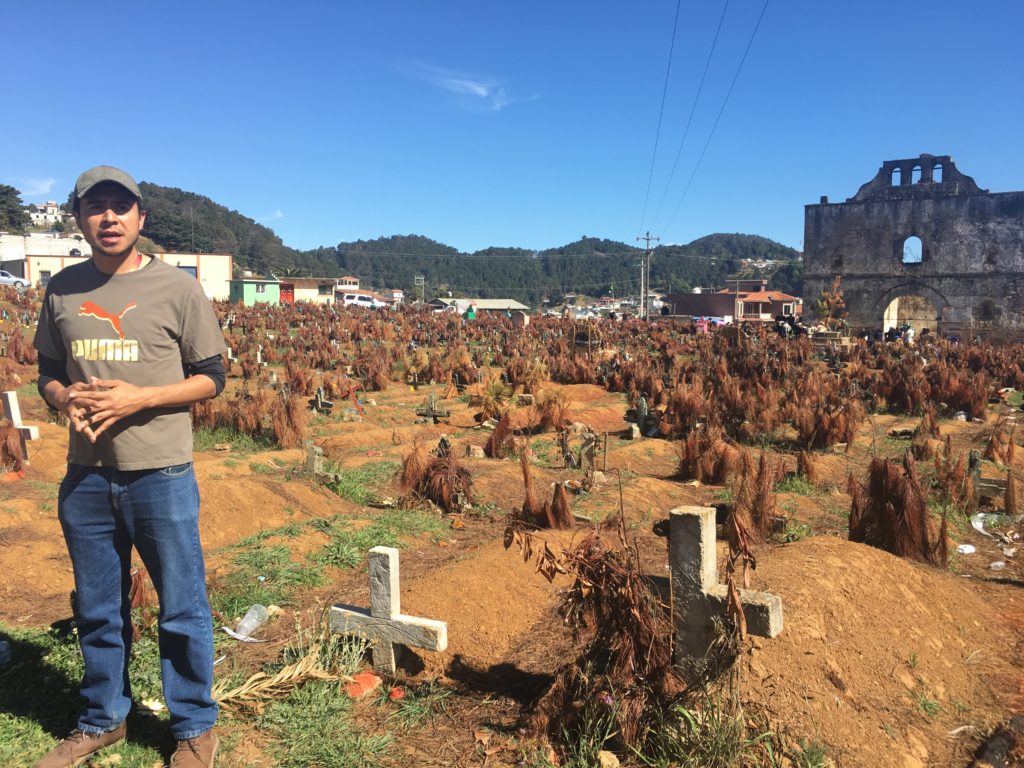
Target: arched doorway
x,y
916,311
918,306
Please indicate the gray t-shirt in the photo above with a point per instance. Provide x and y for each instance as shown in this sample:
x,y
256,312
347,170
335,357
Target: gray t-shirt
x,y
140,327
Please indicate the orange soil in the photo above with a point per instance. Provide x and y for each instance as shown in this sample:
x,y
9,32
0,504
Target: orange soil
x,y
866,633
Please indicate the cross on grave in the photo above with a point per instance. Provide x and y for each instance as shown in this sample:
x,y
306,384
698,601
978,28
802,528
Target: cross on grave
x,y
319,404
12,411
587,450
384,624
697,597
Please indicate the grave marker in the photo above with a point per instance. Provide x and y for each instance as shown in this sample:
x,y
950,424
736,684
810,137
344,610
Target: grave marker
x,y
384,624
697,597
12,411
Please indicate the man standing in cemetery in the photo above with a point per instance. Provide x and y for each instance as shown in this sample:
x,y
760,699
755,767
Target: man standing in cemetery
x,y
126,345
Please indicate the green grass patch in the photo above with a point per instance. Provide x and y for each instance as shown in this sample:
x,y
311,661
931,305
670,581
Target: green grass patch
x,y
48,490
546,453
262,574
39,701
362,484
796,531
288,531
712,733
811,754
926,704
349,545
419,705
314,726
797,484
203,439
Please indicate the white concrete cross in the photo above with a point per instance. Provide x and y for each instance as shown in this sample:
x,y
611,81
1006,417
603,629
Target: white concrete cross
x,y
698,598
12,412
384,624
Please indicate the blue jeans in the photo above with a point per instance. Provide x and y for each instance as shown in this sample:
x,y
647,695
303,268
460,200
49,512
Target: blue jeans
x,y
103,512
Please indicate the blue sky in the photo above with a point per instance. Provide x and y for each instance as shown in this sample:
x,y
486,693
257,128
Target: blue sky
x,y
521,123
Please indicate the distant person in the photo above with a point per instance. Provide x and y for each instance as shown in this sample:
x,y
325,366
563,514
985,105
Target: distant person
x,y
127,344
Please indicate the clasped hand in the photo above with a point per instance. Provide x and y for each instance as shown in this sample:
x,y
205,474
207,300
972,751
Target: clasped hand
x,y
95,407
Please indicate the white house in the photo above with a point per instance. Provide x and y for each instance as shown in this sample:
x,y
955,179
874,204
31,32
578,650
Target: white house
x,y
38,257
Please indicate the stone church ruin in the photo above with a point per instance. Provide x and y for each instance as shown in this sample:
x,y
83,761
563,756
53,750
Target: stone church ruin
x,y
922,244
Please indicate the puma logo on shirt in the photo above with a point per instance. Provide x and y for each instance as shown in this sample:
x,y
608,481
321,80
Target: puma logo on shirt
x,y
110,350
88,309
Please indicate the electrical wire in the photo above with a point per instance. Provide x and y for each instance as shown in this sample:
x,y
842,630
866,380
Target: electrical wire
x,y
661,113
693,110
707,143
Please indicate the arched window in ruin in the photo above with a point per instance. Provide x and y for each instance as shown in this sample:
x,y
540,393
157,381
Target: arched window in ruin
x,y
897,177
915,174
913,249
937,173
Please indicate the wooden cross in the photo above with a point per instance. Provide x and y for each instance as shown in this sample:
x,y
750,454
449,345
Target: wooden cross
x,y
12,411
384,624
697,597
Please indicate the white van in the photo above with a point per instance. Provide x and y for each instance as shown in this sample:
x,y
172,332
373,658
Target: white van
x,y
362,300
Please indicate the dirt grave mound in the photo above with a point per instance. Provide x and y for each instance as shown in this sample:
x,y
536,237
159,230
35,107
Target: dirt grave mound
x,y
888,662
881,658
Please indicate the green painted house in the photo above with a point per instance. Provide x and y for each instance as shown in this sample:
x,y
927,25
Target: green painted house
x,y
254,290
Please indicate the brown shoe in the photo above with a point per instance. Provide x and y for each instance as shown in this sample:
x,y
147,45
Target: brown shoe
x,y
196,753
79,747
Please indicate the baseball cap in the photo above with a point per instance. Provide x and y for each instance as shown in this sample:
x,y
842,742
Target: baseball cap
x,y
102,173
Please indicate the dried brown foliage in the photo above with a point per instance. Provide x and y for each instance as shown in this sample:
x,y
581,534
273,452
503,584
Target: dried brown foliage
x,y
501,442
805,468
288,421
754,502
448,483
9,378
890,512
552,410
143,603
1001,447
533,512
441,479
626,666
560,514
706,456
951,478
299,378
1010,496
10,449
415,466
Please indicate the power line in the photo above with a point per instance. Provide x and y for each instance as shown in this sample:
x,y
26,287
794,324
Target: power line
x,y
707,143
693,110
661,112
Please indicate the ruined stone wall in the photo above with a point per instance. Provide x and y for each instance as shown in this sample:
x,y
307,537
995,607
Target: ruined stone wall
x,y
971,256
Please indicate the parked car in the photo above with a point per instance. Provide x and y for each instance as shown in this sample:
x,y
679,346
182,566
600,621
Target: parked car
x,y
362,300
6,278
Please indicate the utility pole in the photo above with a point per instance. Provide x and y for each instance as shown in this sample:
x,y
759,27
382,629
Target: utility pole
x,y
645,272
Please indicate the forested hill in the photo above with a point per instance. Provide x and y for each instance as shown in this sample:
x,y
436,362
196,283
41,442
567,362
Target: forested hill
x,y
588,266
184,221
